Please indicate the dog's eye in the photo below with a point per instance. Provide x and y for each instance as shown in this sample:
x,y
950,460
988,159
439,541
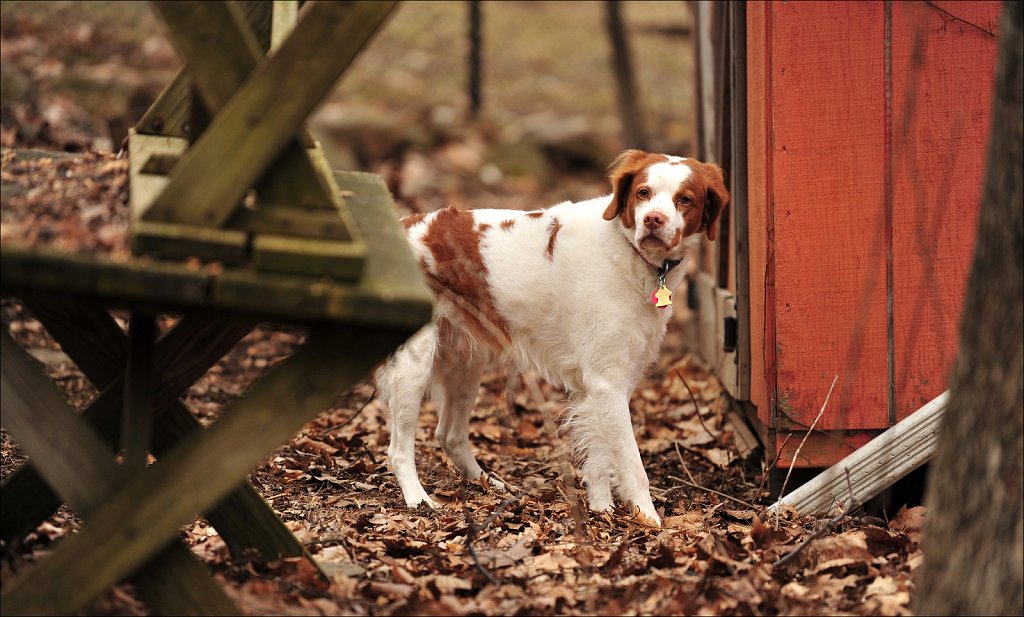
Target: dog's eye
x,y
643,193
686,200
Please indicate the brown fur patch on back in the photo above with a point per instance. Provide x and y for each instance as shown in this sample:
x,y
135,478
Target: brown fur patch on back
x,y
483,227
412,219
508,224
535,215
460,274
553,228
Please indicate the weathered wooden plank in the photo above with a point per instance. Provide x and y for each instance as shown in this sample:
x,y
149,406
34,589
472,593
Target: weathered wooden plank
x,y
132,524
175,287
391,292
759,220
295,179
292,221
391,288
275,253
830,285
255,125
159,164
68,454
81,332
87,334
875,466
941,123
172,241
98,347
169,115
176,583
218,47
286,14
392,270
243,519
221,53
81,467
143,186
137,412
821,448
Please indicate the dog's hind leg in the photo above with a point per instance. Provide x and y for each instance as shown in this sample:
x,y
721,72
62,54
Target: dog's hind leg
x,y
403,381
458,367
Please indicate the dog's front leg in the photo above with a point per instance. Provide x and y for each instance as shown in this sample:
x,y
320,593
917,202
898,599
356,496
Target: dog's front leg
x,y
634,487
601,426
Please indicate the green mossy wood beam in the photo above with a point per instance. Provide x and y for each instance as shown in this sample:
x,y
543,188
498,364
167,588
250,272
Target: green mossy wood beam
x,y
76,462
221,52
147,513
169,114
217,46
256,124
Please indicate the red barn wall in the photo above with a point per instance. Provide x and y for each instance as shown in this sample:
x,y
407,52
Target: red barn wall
x,y
867,126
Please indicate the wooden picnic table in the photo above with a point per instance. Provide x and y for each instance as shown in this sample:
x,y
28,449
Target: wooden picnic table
x,y
340,266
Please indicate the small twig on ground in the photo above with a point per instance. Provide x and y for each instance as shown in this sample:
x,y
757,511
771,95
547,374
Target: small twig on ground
x,y
511,488
369,399
369,454
713,492
854,504
683,463
475,529
696,406
768,469
796,454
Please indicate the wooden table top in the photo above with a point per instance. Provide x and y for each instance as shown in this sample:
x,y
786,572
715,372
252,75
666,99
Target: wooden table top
x,y
391,292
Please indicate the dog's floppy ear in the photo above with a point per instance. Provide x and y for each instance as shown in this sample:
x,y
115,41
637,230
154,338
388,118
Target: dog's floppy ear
x,y
716,200
622,171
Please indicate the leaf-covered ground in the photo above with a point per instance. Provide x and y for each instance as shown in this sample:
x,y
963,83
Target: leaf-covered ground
x,y
75,78
536,551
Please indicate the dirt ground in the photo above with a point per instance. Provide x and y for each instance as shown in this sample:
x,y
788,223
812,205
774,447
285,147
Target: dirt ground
x,y
80,79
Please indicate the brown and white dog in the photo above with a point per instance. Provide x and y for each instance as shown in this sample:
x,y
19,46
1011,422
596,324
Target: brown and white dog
x,y
565,291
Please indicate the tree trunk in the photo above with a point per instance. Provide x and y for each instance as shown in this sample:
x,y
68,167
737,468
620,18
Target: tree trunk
x,y
625,86
475,58
974,538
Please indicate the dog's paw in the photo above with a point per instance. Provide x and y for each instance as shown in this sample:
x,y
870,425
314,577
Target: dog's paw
x,y
416,502
489,482
649,519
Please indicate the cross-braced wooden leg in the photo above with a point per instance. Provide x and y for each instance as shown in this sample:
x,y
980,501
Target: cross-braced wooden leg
x,y
76,462
146,513
97,345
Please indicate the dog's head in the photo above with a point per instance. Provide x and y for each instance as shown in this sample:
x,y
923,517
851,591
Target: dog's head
x,y
662,200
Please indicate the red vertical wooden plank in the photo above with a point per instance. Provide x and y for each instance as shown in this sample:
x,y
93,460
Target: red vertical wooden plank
x,y
829,211
758,106
943,73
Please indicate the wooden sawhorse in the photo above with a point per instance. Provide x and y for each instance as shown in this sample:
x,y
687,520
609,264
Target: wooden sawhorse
x,y
131,519
341,266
